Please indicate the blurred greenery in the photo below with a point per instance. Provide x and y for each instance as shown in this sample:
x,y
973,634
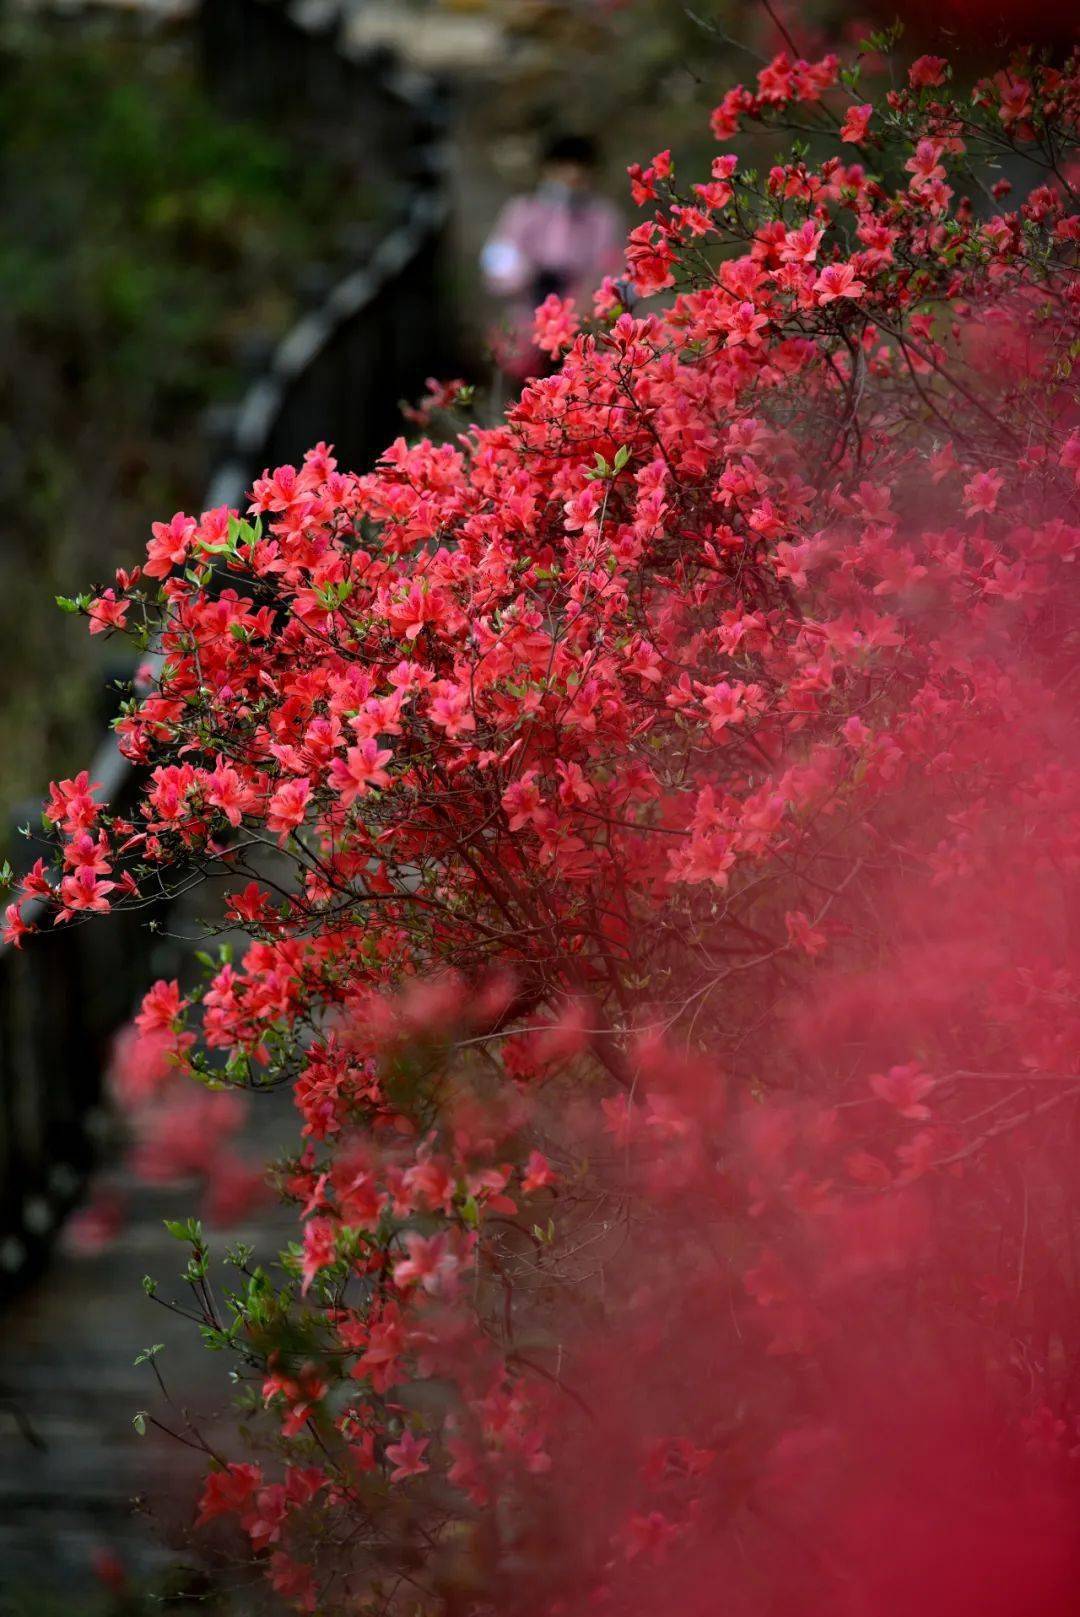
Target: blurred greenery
x,y
644,73
148,245
178,1590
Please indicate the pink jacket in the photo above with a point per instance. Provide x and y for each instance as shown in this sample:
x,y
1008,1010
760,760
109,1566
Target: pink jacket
x,y
553,241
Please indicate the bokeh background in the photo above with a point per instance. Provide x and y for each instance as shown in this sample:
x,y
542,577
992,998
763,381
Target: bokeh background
x,y
227,230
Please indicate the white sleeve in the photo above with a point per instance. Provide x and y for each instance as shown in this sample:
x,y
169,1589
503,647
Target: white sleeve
x,y
504,261
503,265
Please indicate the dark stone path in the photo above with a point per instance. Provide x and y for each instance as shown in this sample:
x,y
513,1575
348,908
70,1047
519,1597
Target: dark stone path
x,y
76,1479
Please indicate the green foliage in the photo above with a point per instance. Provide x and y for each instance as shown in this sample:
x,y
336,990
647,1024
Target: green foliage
x,y
131,206
146,241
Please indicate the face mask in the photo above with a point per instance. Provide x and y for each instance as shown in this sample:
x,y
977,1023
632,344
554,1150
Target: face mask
x,y
557,192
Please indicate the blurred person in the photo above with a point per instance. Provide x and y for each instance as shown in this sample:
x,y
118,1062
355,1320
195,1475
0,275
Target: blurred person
x,y
561,238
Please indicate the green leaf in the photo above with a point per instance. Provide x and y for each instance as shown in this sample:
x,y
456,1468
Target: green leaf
x,y
217,1341
149,1353
139,1422
882,40
185,1229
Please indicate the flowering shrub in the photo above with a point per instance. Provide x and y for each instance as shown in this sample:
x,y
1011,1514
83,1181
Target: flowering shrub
x,y
655,824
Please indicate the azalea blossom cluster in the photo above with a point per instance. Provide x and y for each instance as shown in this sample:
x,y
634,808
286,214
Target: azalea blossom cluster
x,y
655,820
